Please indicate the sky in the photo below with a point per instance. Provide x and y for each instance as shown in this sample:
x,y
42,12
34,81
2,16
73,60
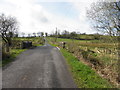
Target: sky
x,y
46,15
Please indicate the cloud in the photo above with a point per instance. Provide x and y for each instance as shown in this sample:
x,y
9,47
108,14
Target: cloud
x,y
82,7
29,15
33,17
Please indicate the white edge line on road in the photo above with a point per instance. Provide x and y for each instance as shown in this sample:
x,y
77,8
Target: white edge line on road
x,y
58,48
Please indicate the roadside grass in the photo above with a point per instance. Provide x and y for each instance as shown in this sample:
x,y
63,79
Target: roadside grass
x,y
13,54
38,44
16,48
83,75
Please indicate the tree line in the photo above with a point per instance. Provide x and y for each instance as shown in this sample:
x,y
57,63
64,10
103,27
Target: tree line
x,y
74,35
34,34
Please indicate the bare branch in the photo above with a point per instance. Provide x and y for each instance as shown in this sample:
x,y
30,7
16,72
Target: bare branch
x,y
105,16
8,26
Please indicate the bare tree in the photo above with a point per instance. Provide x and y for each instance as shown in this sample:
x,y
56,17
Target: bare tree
x,y
46,34
73,34
42,33
29,35
23,34
39,34
8,27
56,34
34,34
65,34
105,17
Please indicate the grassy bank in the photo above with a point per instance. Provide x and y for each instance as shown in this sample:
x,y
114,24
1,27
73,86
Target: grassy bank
x,y
13,54
83,75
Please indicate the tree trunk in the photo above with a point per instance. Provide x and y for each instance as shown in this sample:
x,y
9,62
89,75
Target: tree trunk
x,y
7,48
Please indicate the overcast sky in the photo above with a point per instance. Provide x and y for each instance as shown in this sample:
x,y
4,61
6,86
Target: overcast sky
x,y
46,15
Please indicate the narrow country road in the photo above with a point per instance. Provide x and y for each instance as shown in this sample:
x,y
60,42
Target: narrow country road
x,y
41,67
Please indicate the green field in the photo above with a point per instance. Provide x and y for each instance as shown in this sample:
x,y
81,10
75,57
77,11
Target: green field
x,y
101,56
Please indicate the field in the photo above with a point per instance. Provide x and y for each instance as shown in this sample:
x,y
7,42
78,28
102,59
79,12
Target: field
x,y
102,57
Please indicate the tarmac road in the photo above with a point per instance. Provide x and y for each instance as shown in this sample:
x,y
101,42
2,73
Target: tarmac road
x,y
41,67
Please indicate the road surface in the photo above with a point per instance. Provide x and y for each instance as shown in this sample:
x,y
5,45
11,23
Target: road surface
x,y
41,67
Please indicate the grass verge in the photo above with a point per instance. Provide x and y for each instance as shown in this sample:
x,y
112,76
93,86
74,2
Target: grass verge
x,y
13,54
83,75
38,45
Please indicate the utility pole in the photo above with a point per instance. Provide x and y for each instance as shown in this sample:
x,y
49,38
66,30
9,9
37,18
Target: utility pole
x,y
56,34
